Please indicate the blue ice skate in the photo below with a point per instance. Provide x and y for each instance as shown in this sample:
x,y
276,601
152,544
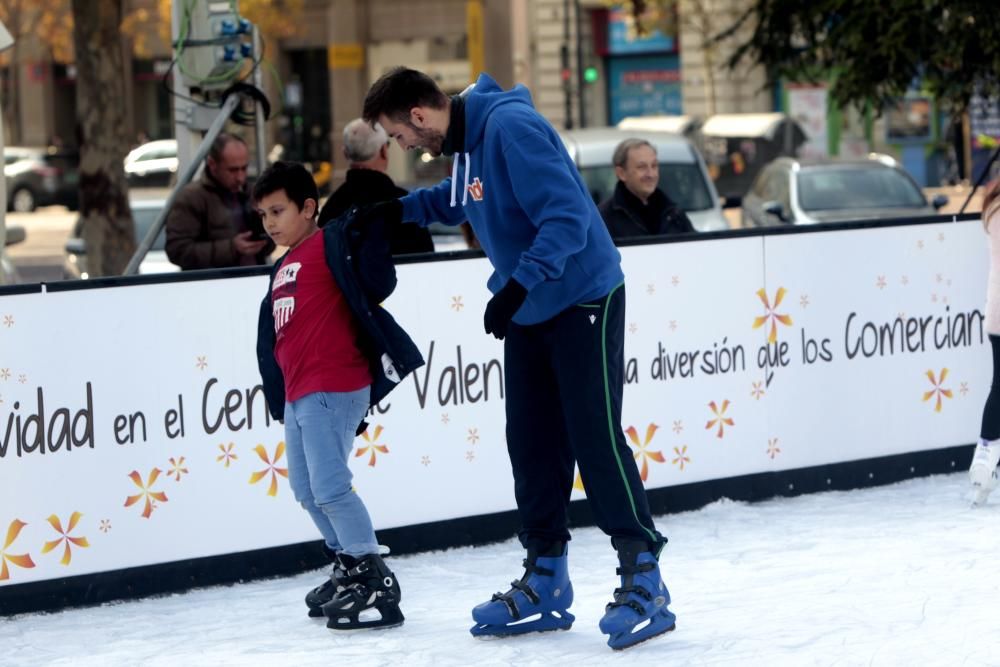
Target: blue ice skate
x,y
538,602
639,611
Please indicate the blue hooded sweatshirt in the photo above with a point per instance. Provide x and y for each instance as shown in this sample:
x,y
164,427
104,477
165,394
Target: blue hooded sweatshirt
x,y
527,204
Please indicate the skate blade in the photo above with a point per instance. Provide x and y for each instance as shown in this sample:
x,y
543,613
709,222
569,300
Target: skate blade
x,y
369,619
544,623
626,640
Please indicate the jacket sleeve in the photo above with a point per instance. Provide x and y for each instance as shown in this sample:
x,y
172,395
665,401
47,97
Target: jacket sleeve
x,y
561,210
433,204
187,227
272,380
372,259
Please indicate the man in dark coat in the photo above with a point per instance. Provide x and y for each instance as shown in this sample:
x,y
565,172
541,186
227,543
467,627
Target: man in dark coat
x,y
638,207
367,151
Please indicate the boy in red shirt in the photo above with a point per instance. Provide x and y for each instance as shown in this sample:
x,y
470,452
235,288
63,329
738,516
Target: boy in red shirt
x,y
321,370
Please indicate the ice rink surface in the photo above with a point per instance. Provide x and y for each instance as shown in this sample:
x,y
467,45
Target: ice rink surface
x,y
898,575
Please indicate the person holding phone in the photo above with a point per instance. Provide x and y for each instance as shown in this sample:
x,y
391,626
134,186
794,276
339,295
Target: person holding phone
x,y
212,223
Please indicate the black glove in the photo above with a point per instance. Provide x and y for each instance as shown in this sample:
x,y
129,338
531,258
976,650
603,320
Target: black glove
x,y
502,306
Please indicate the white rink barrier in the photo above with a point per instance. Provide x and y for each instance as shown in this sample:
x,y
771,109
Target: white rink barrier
x,y
133,431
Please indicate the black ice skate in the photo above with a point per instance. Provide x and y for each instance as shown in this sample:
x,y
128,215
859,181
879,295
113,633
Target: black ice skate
x,y
337,582
371,586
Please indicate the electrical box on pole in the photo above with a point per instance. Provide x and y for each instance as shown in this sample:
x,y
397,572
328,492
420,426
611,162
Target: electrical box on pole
x,y
213,43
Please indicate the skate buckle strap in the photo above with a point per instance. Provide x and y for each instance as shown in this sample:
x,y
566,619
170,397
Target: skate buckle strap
x,y
508,597
530,568
622,601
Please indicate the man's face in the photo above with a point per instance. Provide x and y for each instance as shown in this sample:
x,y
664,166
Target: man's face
x,y
231,169
641,173
414,132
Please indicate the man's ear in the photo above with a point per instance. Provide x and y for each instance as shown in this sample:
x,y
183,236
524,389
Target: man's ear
x,y
620,173
417,117
383,152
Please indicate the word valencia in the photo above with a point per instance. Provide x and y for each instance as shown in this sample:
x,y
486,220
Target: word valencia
x,y
37,431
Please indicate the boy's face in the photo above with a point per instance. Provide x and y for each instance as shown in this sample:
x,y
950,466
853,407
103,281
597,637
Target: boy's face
x,y
284,221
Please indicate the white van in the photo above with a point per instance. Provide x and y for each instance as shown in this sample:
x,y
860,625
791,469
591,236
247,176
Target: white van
x,y
683,175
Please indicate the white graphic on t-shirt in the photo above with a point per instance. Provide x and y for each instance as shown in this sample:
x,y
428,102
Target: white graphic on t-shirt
x,y
283,307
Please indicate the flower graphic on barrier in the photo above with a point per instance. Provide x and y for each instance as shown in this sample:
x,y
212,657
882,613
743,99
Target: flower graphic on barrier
x,y
643,452
147,491
272,467
720,417
938,389
963,388
105,525
772,447
8,321
881,282
678,426
456,303
65,537
771,314
757,390
804,300
201,363
227,455
473,436
682,458
4,373
177,469
22,560
372,448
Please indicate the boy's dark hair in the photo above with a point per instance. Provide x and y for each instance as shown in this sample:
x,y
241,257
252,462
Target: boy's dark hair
x,y
399,90
291,177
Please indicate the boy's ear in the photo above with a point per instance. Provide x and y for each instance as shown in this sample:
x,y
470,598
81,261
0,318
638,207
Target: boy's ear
x,y
310,207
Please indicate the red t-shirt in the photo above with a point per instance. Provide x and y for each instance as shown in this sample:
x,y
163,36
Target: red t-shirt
x,y
316,334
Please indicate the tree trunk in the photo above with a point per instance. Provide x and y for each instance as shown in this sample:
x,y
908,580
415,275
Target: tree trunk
x,y
108,230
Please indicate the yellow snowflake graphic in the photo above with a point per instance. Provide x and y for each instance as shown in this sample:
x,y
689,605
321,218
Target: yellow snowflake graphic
x,y
19,560
682,457
65,537
938,389
643,452
272,467
146,492
227,455
771,314
372,448
720,417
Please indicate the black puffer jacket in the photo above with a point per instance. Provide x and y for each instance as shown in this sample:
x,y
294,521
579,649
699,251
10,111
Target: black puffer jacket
x,y
624,218
357,255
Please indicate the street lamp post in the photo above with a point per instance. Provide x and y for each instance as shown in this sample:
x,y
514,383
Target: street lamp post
x,y
6,41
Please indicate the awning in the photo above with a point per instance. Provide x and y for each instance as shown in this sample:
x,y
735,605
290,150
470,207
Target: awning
x,y
749,125
662,123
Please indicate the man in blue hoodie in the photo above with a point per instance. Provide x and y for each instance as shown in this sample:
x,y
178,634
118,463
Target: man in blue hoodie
x,y
559,305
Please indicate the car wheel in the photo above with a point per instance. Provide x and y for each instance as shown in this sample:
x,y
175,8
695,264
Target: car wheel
x,y
22,200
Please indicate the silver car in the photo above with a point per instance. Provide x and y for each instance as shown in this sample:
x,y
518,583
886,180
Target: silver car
x,y
791,191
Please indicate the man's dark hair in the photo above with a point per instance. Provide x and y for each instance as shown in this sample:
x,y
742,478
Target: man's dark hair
x,y
399,90
291,177
220,143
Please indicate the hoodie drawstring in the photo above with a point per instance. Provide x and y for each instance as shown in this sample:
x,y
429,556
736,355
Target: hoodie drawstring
x,y
454,181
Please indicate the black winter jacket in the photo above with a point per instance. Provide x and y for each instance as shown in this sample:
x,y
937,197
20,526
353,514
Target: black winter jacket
x,y
357,255
367,186
624,220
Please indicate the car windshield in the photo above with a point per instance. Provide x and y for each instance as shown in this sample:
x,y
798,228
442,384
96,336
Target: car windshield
x,y
683,183
856,187
144,218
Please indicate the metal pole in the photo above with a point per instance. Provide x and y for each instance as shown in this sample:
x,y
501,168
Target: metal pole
x,y
565,73
185,177
260,137
580,82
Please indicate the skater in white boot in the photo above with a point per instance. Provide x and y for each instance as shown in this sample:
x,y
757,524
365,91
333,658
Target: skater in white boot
x,y
983,471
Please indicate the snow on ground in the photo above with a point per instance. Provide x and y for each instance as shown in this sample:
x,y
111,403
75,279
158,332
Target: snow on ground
x,y
897,575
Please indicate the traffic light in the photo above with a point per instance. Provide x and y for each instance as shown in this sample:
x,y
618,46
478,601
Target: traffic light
x,y
590,75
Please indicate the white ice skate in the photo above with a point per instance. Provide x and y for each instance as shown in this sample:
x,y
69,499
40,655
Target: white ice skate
x,y
983,471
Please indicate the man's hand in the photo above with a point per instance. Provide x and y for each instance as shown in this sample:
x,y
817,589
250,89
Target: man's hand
x,y
501,308
247,246
389,211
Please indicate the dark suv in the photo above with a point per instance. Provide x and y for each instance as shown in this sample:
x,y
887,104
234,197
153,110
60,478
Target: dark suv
x,y
40,177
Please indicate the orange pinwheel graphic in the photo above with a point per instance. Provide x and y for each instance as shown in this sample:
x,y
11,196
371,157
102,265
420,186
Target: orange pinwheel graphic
x,y
770,314
272,467
227,455
65,537
177,469
147,491
24,560
720,417
374,447
938,389
645,454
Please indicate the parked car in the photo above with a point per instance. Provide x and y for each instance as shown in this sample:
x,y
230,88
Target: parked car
x,y
144,214
683,175
790,191
153,164
40,177
15,234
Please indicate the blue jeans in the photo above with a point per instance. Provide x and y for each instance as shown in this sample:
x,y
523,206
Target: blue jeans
x,y
319,437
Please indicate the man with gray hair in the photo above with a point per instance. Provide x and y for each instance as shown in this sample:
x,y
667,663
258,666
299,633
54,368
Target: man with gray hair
x,y
638,207
367,151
